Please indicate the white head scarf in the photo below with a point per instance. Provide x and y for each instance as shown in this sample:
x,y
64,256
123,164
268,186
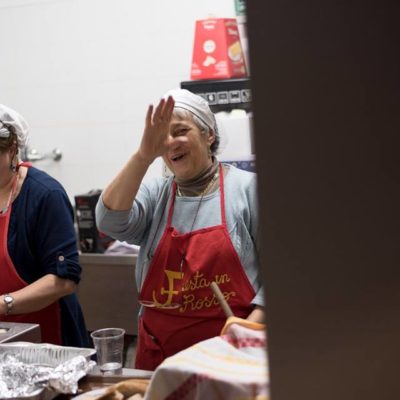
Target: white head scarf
x,y
195,104
10,117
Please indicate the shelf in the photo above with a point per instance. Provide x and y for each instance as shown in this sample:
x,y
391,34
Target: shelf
x,y
222,94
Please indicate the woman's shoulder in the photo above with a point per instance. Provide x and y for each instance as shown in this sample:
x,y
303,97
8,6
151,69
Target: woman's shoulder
x,y
241,186
41,192
156,185
42,180
239,177
39,184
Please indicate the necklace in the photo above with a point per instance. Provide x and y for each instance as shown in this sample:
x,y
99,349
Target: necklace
x,y
204,192
195,217
5,208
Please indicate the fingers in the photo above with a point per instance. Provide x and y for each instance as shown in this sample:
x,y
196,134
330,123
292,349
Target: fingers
x,y
169,106
163,111
156,135
158,111
149,114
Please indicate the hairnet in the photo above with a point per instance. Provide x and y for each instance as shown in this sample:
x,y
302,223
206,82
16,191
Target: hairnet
x,y
10,117
195,104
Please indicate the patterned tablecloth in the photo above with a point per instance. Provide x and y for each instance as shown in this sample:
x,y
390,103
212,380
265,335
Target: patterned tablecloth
x,y
230,366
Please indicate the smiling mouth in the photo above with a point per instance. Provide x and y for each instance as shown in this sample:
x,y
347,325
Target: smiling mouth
x,y
177,158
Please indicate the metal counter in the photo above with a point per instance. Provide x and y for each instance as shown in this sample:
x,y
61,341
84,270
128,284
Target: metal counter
x,y
107,291
19,332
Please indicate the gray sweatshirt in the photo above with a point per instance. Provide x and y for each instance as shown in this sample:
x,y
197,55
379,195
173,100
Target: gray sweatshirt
x,y
145,222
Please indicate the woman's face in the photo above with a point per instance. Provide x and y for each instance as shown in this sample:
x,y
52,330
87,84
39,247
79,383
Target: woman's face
x,y
188,153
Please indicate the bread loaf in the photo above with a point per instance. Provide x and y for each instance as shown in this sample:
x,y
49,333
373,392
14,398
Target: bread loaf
x,y
110,394
131,387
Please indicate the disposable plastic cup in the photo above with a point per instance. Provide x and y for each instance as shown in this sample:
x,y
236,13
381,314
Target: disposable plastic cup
x,y
109,345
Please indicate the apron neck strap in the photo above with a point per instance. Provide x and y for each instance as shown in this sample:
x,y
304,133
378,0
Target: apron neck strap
x,y
24,164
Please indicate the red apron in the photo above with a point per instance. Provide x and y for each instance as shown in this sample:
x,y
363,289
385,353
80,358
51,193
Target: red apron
x,y
49,317
209,256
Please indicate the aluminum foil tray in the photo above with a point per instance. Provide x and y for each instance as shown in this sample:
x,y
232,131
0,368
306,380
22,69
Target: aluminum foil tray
x,y
42,354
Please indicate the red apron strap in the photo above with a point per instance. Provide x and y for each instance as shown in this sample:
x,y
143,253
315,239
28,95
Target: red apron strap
x,y
24,164
222,194
171,207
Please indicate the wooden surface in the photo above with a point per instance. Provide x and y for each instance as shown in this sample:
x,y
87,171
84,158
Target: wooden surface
x,y
97,379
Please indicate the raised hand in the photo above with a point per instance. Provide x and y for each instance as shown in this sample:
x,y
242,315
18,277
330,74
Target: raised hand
x,y
155,137
121,192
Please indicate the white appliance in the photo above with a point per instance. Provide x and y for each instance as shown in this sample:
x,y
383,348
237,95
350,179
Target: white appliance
x,y
230,100
236,133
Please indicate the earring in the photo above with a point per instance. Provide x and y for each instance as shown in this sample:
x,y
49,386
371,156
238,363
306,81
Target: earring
x,y
209,151
13,166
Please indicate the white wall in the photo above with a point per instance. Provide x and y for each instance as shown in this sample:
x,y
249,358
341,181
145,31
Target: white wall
x,y
83,72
